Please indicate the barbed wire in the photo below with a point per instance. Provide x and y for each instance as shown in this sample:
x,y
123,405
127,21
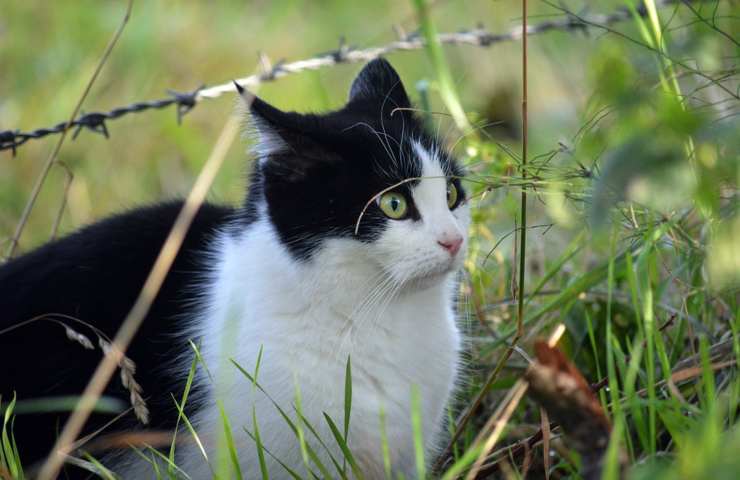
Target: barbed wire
x,y
186,101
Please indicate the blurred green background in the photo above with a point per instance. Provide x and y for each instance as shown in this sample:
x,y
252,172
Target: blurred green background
x,y
634,154
49,50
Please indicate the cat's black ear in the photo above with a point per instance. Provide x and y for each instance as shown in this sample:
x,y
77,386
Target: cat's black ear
x,y
378,82
289,138
273,128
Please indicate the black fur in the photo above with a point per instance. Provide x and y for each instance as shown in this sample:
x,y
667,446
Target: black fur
x,y
95,275
314,188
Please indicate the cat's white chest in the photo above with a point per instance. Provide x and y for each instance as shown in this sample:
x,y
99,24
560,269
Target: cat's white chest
x,y
303,325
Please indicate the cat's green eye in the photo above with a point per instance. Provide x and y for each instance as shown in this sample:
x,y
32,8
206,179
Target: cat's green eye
x,y
393,205
451,195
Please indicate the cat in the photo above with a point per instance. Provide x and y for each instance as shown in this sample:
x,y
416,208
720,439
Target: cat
x,y
345,251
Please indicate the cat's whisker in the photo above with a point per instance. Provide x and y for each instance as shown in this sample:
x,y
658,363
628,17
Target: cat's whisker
x,y
371,298
356,318
389,297
382,119
378,306
384,144
401,143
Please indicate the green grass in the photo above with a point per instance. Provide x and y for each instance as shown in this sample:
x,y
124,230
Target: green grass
x,y
630,167
10,463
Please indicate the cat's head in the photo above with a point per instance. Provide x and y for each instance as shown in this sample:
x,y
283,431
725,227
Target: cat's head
x,y
367,178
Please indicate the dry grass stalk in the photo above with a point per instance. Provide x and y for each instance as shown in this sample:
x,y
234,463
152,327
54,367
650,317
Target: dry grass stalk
x,y
68,178
151,287
501,416
52,158
545,428
517,289
498,421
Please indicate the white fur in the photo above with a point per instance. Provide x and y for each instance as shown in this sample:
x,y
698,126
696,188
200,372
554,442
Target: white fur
x,y
388,305
265,140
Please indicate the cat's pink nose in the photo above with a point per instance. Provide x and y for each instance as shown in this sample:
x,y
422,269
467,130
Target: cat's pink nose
x,y
452,245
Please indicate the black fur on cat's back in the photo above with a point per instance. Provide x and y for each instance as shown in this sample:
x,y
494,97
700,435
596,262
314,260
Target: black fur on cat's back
x,y
95,275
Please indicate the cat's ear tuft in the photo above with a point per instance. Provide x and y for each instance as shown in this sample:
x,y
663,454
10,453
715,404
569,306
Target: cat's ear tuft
x,y
269,126
378,82
287,137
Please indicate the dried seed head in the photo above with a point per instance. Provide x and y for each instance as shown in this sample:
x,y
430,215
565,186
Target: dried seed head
x,y
128,369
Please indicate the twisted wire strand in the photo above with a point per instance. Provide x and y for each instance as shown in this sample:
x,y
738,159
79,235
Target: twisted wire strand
x,y
186,101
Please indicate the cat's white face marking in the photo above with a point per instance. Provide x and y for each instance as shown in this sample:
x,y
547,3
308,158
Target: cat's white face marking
x,y
423,251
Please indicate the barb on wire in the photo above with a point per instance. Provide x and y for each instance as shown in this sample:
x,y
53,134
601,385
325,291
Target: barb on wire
x,y
95,121
344,53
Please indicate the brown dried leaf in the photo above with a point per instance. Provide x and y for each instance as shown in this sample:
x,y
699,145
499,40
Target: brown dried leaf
x,y
562,391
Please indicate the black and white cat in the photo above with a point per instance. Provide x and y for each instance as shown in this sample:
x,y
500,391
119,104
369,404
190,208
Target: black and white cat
x,y
288,274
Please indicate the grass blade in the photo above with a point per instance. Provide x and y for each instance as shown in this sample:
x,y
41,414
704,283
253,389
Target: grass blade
x,y
292,425
421,469
260,447
9,458
384,446
306,451
434,50
237,471
343,445
347,397
181,413
287,469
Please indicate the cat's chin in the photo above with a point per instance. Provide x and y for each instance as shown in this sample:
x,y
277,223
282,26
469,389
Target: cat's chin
x,y
431,279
